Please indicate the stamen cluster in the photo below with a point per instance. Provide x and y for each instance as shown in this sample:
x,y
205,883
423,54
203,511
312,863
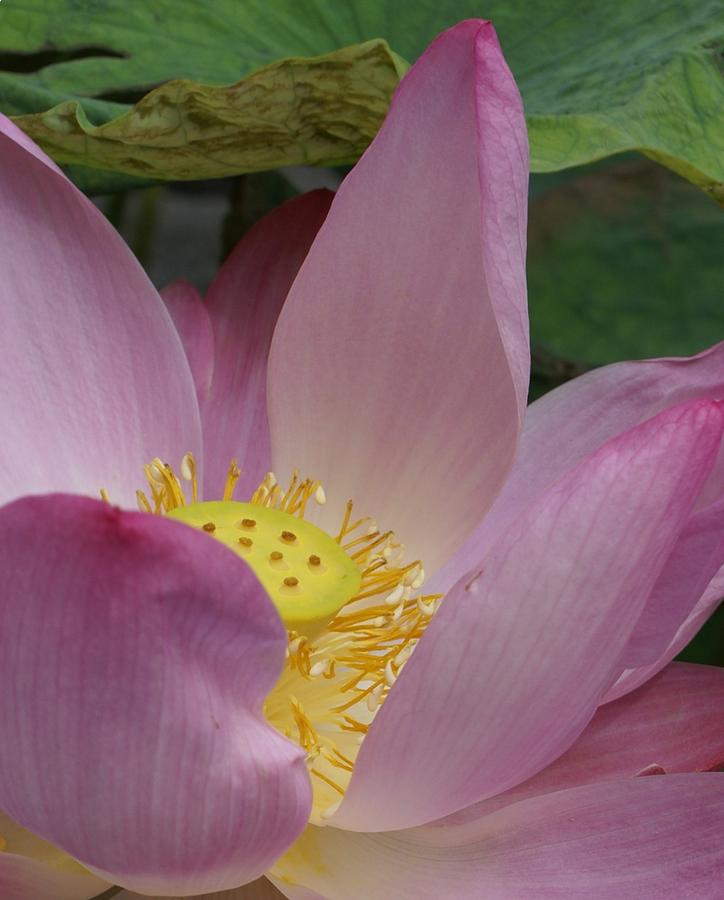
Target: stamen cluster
x,y
335,680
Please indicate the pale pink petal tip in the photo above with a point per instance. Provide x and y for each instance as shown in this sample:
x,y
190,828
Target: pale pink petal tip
x,y
96,382
399,366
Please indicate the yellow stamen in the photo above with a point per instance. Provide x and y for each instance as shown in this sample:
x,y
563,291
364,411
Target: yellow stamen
x,y
352,608
232,476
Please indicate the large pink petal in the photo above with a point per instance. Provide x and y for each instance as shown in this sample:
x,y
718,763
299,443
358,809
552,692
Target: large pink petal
x,y
641,838
630,679
674,723
95,381
135,655
398,371
513,665
566,425
243,304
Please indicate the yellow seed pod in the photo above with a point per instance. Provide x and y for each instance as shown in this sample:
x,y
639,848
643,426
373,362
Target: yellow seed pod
x,y
306,573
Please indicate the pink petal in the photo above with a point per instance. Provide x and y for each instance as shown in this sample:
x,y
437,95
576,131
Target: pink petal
x,y
533,638
673,723
135,656
243,303
261,889
630,679
568,424
193,324
399,366
641,838
95,381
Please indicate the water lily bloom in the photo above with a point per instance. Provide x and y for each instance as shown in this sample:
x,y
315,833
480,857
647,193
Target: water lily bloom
x,y
283,612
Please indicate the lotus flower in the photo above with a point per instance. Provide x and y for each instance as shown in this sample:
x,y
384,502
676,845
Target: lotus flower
x,y
251,675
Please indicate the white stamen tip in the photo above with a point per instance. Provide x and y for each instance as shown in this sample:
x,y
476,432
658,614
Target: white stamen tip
x,y
390,676
318,668
374,698
319,495
419,581
394,598
186,469
156,471
330,810
427,609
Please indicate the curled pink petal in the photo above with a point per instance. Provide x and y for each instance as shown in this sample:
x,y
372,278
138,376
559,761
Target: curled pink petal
x,y
193,325
95,379
135,656
573,421
673,724
399,366
641,838
696,558
630,679
533,636
243,304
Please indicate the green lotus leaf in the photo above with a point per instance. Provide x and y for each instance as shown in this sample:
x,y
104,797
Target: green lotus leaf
x,y
296,111
597,79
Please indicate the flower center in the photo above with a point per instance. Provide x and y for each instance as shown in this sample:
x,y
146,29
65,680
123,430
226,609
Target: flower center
x,y
305,572
350,604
